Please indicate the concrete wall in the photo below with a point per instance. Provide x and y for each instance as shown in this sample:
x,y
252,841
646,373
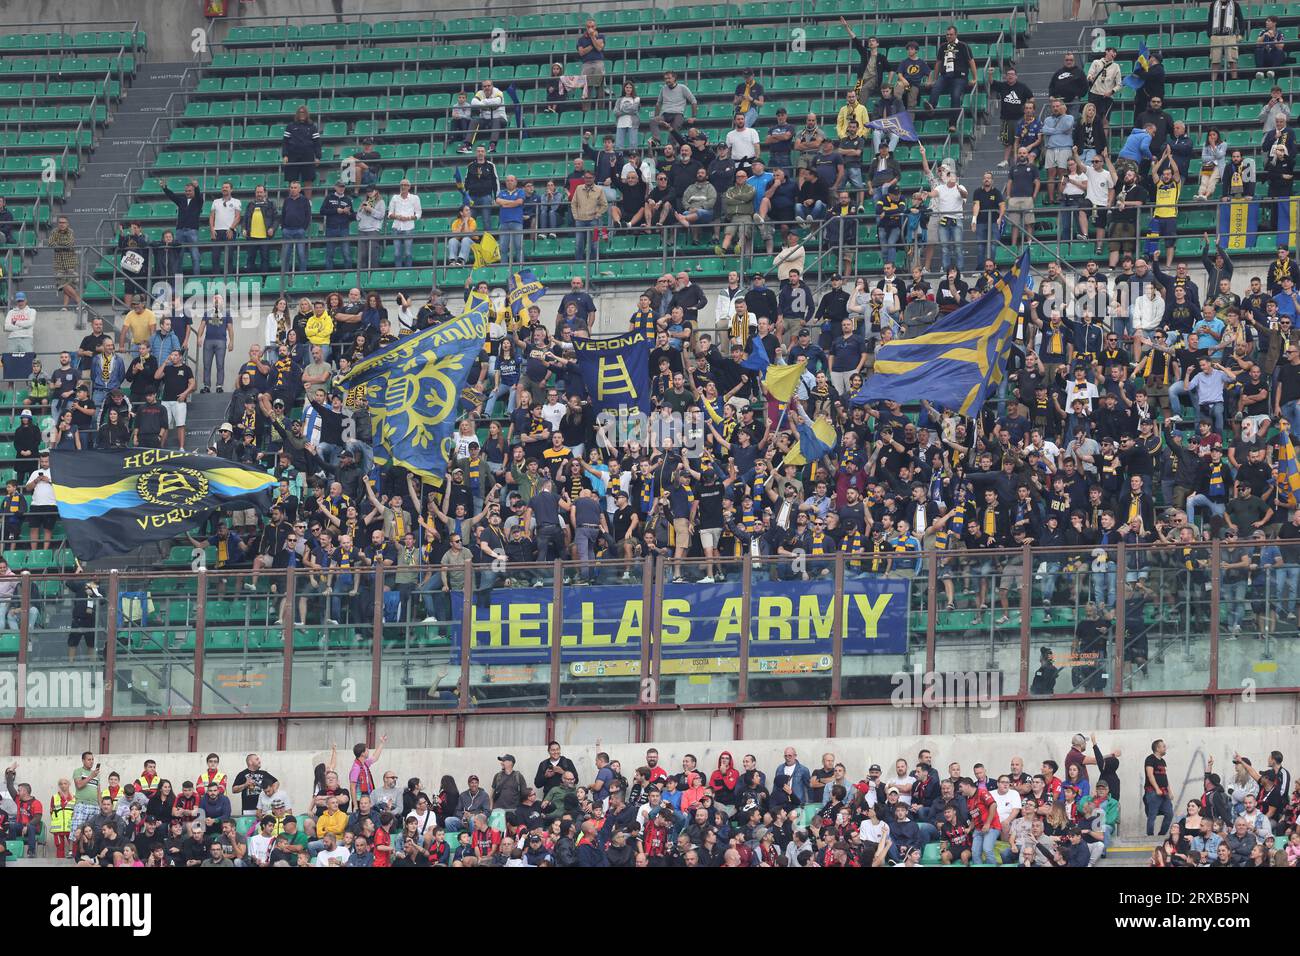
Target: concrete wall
x,y
417,749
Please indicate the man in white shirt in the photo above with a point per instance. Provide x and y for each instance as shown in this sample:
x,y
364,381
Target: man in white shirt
x,y
223,219
20,323
1100,192
949,208
490,114
261,843
742,140
42,511
902,782
554,409
333,854
404,211
1147,312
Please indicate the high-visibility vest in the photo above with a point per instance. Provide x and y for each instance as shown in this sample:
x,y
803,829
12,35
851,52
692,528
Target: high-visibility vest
x,y
147,788
61,813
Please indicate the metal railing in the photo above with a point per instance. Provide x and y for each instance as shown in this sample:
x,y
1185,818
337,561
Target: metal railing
x,y
1104,623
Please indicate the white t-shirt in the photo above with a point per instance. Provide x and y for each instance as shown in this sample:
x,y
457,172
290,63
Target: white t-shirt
x,y
259,847
1099,183
1006,803
1087,391
873,832
902,783
264,799
743,143
340,853
224,212
554,414
43,492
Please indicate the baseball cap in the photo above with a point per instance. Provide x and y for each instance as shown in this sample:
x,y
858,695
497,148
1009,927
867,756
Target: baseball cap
x,y
891,790
226,427
510,757
874,768
25,413
20,297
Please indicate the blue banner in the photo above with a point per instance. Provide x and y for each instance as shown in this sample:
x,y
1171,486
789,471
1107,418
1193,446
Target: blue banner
x,y
700,622
525,290
616,371
900,125
413,389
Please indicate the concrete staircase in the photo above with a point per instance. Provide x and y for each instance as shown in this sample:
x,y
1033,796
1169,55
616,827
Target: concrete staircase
x,y
1035,64
105,175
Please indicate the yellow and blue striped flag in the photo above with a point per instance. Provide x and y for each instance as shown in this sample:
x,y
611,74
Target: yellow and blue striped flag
x,y
955,363
114,501
1288,473
1138,78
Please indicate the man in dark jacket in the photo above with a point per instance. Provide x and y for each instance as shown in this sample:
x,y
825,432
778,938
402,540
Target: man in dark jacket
x,y
1068,84
167,256
337,211
259,222
482,186
551,770
508,785
590,853
300,150
189,214
690,297
295,222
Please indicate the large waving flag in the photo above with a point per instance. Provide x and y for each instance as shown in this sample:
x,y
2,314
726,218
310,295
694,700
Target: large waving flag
x,y
1288,474
525,290
1137,79
900,124
413,389
955,362
757,360
816,440
782,380
616,371
112,502
487,251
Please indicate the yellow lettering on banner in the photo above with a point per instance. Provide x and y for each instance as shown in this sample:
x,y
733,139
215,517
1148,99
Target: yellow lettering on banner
x,y
151,457
774,614
871,612
165,519
170,483
629,628
812,622
590,636
676,626
728,628
491,627
525,618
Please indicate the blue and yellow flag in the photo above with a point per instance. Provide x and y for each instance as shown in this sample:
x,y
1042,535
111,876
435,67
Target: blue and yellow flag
x,y
1288,474
959,358
413,389
525,290
900,125
460,184
1288,222
616,371
1238,223
112,502
486,251
816,440
1138,78
781,381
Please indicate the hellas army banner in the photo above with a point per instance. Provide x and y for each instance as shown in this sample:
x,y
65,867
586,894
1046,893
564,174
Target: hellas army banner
x,y
701,625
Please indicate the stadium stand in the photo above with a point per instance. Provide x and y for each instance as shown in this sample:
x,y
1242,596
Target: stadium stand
x,y
1075,538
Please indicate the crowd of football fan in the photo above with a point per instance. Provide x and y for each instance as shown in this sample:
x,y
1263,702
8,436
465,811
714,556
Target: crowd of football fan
x,y
1065,815
1084,438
